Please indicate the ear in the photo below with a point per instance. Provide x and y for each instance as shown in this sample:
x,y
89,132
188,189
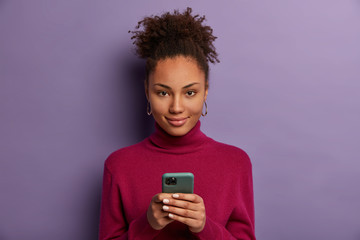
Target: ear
x,y
206,91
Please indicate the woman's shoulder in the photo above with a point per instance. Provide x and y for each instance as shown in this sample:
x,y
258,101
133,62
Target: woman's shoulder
x,y
124,155
228,150
220,146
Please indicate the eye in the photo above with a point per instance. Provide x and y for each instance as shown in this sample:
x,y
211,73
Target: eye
x,y
190,93
162,93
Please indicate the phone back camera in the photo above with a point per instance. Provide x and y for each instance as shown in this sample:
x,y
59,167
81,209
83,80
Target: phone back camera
x,y
170,181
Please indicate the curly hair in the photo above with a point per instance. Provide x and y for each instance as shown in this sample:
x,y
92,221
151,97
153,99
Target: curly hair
x,y
175,34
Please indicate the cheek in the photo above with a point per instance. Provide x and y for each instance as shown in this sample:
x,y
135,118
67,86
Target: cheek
x,y
195,107
158,106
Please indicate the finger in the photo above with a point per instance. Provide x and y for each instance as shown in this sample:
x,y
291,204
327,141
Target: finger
x,y
161,213
191,197
182,212
158,198
158,212
182,204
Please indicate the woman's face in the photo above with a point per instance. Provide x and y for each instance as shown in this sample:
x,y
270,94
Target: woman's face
x,y
176,91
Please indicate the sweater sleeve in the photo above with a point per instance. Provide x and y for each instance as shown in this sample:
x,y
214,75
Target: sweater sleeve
x,y
241,221
113,224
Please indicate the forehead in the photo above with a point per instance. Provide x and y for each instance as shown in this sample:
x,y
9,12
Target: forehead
x,y
177,71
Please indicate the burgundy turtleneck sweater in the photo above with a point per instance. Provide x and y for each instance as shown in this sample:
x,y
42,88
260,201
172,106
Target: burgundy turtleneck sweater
x,y
222,177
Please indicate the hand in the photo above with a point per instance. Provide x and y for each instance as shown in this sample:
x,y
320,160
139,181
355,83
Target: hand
x,y
157,218
188,209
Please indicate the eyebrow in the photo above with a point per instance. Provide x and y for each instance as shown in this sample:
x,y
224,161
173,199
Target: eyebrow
x,y
167,87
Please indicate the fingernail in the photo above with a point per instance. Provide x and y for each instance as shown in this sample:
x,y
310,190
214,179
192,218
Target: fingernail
x,y
165,207
166,200
170,215
175,195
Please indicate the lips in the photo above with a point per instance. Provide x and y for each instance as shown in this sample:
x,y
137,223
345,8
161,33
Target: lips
x,y
177,122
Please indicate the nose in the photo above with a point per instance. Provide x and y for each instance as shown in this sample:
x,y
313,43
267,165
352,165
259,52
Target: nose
x,y
176,105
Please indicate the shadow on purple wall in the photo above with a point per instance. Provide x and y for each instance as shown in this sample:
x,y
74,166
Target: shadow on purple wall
x,y
138,119
129,81
94,210
132,122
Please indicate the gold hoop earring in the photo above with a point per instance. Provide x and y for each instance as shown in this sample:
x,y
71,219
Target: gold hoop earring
x,y
204,114
148,110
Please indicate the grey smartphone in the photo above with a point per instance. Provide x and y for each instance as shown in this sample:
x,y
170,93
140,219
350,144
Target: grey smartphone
x,y
182,182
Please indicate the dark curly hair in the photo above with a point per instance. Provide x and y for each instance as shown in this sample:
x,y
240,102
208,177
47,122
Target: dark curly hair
x,y
174,34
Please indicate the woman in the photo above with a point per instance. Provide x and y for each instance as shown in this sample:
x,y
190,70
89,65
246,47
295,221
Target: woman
x,y
177,48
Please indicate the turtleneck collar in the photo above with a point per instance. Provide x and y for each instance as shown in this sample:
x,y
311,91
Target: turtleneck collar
x,y
190,142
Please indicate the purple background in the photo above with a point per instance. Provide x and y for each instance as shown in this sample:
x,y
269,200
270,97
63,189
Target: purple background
x,y
286,91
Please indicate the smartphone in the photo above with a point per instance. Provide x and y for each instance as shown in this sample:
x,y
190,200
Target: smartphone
x,y
182,182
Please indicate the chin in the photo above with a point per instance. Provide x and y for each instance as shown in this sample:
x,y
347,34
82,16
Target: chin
x,y
177,132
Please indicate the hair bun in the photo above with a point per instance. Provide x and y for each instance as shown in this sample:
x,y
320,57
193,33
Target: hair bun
x,y
174,27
